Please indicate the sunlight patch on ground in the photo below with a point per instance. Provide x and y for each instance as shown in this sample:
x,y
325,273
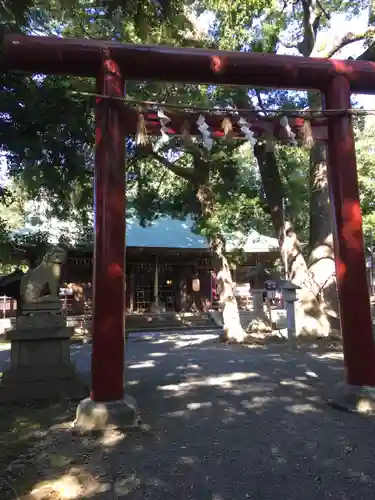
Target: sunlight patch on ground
x,y
5,347
251,389
78,484
188,460
67,487
295,383
112,438
189,366
143,364
256,402
186,340
224,381
329,355
132,382
299,409
197,406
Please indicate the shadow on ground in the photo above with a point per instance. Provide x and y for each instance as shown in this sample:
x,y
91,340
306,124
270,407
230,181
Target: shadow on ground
x,y
223,423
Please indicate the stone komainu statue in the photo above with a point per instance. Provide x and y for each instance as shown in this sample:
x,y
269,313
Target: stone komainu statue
x,y
42,283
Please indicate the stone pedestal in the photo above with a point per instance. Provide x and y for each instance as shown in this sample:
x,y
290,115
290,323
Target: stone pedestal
x,y
40,365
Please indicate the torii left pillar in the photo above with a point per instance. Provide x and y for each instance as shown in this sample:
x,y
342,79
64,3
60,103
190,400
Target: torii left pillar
x,y
107,404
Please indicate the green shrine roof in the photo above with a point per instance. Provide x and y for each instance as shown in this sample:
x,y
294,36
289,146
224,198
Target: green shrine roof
x,y
166,232
174,233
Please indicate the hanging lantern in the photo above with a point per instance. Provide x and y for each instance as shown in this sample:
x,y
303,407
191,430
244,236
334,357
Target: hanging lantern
x,y
196,285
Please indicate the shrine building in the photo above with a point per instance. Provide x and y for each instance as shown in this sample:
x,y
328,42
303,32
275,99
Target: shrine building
x,y
168,261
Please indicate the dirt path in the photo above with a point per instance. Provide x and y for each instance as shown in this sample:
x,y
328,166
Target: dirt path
x,y
223,423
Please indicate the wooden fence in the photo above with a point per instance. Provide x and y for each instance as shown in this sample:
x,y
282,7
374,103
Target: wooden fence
x,y
8,307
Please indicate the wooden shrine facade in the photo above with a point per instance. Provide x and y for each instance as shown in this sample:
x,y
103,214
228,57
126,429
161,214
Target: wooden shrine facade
x,y
166,272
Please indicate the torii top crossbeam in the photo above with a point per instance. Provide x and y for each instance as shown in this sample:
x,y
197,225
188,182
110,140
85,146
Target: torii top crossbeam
x,y
52,55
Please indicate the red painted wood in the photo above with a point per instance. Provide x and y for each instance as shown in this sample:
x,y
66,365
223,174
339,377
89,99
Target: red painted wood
x,y
109,253
354,301
83,57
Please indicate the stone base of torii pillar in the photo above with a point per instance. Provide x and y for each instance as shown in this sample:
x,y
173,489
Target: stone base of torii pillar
x,y
354,399
96,416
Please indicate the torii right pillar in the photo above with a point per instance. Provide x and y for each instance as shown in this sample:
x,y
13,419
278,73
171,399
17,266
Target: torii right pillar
x,y
353,292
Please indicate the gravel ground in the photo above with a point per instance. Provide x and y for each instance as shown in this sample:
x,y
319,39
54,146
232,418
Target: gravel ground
x,y
223,423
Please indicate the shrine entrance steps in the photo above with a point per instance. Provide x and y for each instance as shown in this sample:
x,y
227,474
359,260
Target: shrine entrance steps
x,y
168,321
147,322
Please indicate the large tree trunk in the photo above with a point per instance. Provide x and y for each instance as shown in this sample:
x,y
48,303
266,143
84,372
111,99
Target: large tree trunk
x,y
233,331
321,259
308,314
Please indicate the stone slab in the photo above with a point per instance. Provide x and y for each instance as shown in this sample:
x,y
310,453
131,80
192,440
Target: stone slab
x,y
94,416
35,373
40,354
40,364
21,391
50,321
41,306
41,333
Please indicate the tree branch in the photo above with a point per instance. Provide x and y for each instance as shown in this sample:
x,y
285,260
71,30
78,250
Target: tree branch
x,y
326,14
350,38
288,45
310,27
368,54
188,145
183,172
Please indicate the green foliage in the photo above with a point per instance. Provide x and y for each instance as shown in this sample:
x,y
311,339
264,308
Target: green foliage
x,y
135,22
33,245
11,217
251,24
46,128
49,131
366,174
51,150
294,171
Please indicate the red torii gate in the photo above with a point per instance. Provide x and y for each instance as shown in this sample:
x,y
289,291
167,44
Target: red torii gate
x,y
111,63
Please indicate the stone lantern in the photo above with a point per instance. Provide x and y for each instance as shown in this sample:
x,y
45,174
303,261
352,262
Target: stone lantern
x,y
290,297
